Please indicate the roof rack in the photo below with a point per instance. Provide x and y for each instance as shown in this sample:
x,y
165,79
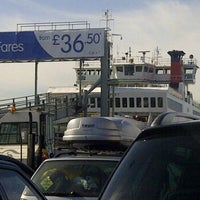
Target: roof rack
x,y
172,117
62,152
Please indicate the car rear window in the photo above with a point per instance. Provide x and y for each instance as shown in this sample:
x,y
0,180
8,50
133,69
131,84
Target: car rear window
x,y
159,168
73,177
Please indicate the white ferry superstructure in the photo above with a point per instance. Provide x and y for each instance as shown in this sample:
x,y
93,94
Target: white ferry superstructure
x,y
139,89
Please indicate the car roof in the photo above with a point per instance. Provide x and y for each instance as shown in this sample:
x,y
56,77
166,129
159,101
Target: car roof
x,y
158,130
9,165
88,154
86,158
6,164
172,117
25,168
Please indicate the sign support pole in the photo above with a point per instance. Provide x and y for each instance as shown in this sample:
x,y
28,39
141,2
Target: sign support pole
x,y
105,68
36,79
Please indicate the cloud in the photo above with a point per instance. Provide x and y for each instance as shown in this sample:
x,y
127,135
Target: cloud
x,y
167,25
144,25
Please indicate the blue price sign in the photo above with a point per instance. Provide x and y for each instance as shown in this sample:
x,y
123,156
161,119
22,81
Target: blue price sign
x,y
60,44
73,43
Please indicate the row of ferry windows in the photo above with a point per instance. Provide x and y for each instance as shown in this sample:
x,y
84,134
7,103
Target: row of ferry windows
x,y
128,70
129,102
131,69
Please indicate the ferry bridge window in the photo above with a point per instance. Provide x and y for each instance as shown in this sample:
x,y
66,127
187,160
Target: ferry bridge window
x,y
80,72
151,70
160,102
145,102
89,72
159,71
138,102
92,102
131,102
153,102
188,71
129,70
167,71
138,68
124,102
145,69
119,69
117,102
16,133
98,102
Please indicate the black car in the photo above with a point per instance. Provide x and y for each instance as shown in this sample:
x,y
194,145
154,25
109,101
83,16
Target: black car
x,y
163,163
172,117
25,168
15,184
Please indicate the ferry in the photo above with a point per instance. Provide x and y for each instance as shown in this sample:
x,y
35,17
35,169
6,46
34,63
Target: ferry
x,y
140,88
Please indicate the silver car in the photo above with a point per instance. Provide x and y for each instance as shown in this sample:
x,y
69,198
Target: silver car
x,y
74,177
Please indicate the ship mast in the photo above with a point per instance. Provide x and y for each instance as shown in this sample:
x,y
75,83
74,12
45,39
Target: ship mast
x,y
108,19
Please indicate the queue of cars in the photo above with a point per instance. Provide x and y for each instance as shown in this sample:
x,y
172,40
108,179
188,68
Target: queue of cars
x,y
162,163
80,172
73,176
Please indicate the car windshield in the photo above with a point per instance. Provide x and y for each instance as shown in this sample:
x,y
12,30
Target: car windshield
x,y
159,168
75,178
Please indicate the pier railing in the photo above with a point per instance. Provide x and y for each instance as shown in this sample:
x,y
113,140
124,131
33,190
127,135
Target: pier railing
x,y
55,105
22,102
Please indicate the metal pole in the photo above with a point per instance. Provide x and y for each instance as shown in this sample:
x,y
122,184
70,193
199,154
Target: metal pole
x,y
36,79
31,144
80,86
105,73
85,103
113,101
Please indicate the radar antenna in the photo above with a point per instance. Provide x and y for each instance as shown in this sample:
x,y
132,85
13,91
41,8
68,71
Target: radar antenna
x,y
143,55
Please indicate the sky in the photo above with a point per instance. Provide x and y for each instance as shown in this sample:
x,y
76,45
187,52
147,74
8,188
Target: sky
x,y
144,25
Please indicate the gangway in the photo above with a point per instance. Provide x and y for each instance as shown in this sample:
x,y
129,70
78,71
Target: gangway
x,y
47,102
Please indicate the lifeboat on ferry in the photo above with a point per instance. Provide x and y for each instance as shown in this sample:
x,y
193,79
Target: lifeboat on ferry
x,y
113,133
